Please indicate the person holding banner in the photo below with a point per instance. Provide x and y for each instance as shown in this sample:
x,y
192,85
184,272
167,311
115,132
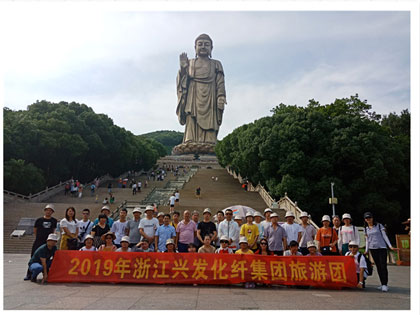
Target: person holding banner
x,y
361,264
207,248
224,246
327,237
42,259
312,249
125,242
109,246
88,244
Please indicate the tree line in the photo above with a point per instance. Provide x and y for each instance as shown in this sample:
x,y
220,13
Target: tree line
x,y
168,138
52,142
301,150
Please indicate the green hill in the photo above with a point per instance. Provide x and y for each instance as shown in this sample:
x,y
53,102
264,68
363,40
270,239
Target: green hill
x,y
168,138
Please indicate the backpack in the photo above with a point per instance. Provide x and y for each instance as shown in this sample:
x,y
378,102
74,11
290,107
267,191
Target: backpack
x,y
369,269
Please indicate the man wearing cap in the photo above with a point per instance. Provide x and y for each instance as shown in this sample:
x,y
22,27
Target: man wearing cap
x,y
360,262
42,258
257,221
308,233
148,226
133,228
125,242
276,236
164,233
206,227
346,234
42,228
250,231
105,210
267,222
230,228
244,248
238,220
293,230
119,227
312,248
185,232
160,216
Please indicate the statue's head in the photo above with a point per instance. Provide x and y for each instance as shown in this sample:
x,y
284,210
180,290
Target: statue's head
x,y
203,45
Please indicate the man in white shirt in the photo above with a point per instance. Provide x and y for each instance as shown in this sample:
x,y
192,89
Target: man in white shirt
x,y
267,222
176,196
119,227
230,229
148,226
85,227
172,203
293,230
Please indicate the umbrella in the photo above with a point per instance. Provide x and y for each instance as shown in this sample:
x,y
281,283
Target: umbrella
x,y
240,210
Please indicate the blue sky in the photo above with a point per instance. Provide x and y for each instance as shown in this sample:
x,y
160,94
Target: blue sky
x,y
124,64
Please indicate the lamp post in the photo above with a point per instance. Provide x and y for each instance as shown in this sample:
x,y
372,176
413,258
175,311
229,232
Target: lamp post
x,y
332,201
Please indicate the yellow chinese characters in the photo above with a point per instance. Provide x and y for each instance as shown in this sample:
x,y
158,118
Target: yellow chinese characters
x,y
142,267
338,272
278,270
318,272
218,267
200,268
259,270
180,268
298,271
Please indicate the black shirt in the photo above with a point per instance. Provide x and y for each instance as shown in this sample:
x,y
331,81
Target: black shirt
x,y
44,227
206,228
100,231
42,252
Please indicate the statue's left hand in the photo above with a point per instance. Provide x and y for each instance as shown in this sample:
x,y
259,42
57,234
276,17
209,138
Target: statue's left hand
x,y
221,101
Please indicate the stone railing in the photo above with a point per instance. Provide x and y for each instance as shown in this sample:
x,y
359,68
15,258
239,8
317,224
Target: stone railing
x,y
284,203
46,193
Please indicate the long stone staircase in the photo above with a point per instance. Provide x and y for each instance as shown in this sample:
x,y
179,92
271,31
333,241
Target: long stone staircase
x,y
216,195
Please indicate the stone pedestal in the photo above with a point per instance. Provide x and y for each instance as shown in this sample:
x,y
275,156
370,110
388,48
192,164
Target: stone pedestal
x,y
193,148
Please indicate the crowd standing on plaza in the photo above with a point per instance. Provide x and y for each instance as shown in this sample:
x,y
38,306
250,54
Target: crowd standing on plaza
x,y
160,232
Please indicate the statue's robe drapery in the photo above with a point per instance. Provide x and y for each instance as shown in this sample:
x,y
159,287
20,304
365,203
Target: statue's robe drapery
x,y
198,90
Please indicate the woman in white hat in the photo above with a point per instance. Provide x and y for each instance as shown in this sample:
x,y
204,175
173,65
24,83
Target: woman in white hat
x,y
346,234
361,264
224,246
125,242
327,237
88,244
313,250
170,246
108,239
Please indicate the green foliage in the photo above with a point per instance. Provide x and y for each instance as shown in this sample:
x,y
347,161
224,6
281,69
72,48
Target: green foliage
x,y
167,138
22,177
70,140
301,150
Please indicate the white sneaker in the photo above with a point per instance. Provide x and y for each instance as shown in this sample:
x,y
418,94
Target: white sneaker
x,y
379,288
384,288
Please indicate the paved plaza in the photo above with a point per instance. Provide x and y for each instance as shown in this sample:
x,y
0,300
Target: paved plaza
x,y
25,295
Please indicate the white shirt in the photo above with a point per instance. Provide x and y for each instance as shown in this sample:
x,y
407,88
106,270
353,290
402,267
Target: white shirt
x,y
71,226
231,230
119,229
347,234
362,262
82,228
149,226
84,249
292,231
172,200
177,195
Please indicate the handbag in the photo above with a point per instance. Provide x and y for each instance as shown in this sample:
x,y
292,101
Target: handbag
x,y
72,243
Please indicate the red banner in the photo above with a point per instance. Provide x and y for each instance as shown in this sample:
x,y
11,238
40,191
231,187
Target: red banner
x,y
319,271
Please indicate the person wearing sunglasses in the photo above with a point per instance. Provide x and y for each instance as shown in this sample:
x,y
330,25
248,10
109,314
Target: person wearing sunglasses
x,y
109,246
231,229
263,249
361,264
224,246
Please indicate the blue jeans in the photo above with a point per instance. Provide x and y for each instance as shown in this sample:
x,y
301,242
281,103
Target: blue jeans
x,y
37,268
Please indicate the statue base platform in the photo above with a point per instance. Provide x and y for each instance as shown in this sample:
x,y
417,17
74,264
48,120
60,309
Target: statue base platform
x,y
193,148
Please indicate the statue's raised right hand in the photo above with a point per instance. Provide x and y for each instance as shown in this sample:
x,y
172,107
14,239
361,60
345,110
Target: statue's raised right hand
x,y
183,60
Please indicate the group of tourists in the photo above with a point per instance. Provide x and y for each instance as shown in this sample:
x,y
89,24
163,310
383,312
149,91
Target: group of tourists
x,y
259,234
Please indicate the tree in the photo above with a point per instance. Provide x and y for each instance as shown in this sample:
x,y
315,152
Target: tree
x,y
23,177
301,150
